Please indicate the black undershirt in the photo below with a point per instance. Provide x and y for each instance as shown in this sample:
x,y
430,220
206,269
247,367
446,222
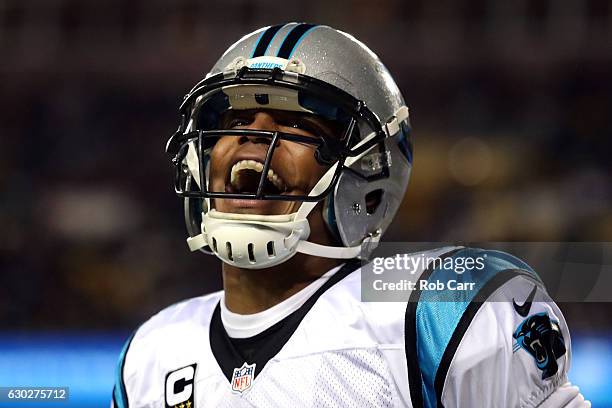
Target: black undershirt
x,y
247,347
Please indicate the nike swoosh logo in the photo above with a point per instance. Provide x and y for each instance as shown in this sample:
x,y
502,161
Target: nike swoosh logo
x,y
523,309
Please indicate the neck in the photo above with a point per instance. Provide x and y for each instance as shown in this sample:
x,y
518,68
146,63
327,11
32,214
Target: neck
x,y
249,291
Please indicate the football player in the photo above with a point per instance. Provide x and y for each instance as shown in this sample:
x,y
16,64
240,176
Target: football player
x,y
292,157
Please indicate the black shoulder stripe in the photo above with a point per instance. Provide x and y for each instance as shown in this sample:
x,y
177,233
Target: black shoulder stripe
x,y
292,39
410,337
265,39
114,400
466,319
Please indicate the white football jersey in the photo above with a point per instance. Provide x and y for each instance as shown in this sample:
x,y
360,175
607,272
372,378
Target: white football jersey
x,y
505,345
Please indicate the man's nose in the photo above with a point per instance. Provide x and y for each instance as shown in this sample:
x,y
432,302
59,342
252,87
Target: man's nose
x,y
261,121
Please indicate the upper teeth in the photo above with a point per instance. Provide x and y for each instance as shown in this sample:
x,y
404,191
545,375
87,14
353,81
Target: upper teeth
x,y
258,167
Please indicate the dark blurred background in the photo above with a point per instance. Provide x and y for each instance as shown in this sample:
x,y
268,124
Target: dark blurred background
x,y
511,105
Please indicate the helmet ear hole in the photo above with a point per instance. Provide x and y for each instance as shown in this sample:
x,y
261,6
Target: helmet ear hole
x,y
251,253
228,248
373,200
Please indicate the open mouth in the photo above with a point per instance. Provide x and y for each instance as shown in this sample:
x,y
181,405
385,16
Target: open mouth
x,y
244,177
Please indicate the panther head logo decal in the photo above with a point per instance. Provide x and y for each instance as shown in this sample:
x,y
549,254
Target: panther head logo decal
x,y
541,337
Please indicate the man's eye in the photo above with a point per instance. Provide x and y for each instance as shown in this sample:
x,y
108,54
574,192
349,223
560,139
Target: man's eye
x,y
238,122
307,127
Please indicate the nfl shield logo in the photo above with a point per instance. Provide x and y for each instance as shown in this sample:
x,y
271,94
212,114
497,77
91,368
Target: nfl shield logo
x,y
243,378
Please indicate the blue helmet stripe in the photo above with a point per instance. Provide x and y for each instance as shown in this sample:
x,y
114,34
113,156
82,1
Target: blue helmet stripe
x,y
265,39
293,39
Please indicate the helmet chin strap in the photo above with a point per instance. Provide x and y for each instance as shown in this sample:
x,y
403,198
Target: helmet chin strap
x,y
255,241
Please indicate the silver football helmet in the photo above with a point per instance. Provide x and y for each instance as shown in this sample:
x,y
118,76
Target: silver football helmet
x,y
306,68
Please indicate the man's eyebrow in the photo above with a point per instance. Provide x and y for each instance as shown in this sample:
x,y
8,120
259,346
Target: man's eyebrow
x,y
236,113
242,112
331,128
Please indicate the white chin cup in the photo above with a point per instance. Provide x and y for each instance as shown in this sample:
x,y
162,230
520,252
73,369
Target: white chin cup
x,y
253,241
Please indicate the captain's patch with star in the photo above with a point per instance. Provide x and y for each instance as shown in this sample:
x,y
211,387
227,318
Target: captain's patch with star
x,y
180,388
